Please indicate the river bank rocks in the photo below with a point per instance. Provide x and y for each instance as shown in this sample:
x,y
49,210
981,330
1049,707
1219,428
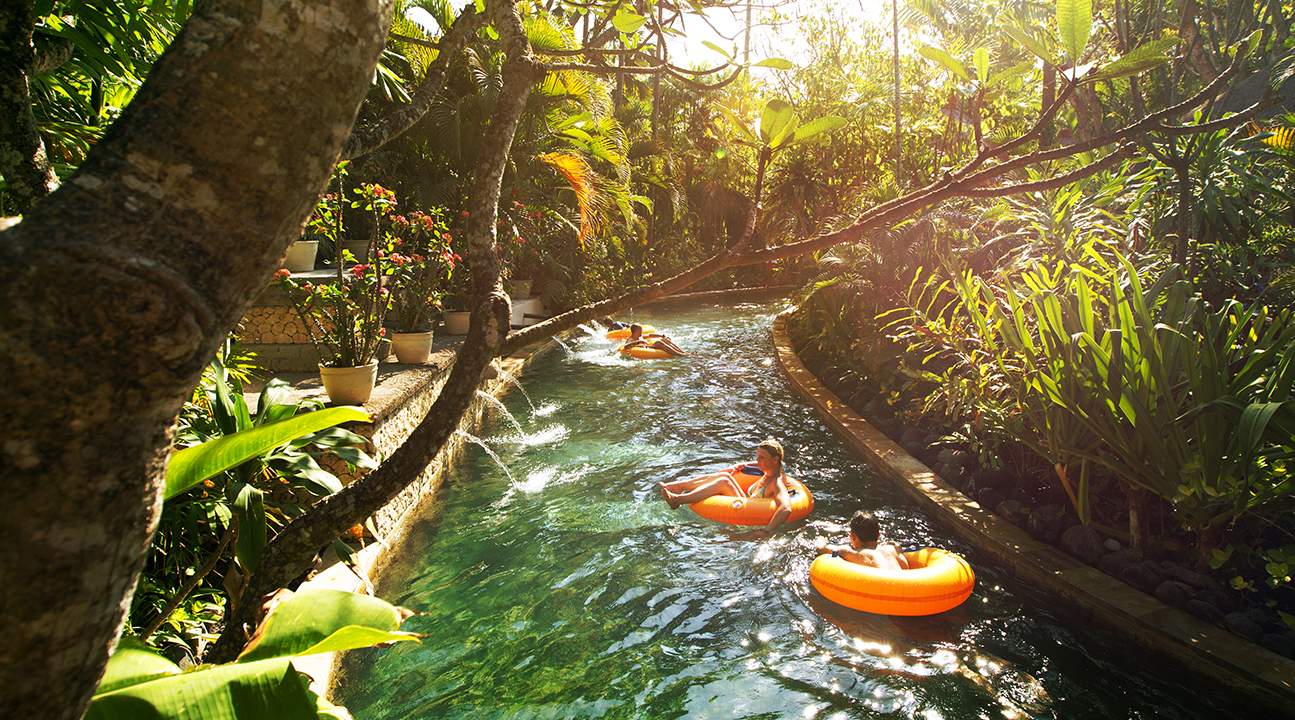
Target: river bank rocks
x,y
1046,513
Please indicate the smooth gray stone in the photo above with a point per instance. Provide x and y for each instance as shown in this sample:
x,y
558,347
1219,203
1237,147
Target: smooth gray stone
x,y
1174,593
1082,542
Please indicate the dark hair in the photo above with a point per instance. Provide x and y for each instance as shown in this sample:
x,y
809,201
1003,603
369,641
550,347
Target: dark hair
x,y
636,326
865,527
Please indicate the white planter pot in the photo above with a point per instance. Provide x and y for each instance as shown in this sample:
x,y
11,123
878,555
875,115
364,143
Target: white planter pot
x,y
360,249
457,322
412,348
301,255
349,385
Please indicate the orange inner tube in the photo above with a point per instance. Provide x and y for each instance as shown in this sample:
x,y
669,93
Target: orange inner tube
x,y
754,511
646,353
937,580
624,333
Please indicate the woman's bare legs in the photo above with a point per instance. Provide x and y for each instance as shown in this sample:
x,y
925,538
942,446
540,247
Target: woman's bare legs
x,y
683,486
723,485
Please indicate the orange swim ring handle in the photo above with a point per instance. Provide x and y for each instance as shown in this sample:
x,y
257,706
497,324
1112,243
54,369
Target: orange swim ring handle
x,y
754,511
937,580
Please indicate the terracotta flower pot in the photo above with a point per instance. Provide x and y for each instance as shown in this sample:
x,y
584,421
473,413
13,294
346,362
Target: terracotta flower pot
x,y
349,385
412,348
522,289
457,322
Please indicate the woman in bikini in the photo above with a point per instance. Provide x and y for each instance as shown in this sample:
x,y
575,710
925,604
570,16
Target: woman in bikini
x,y
772,484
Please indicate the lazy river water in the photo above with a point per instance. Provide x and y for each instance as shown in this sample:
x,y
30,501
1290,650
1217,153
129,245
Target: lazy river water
x,y
565,587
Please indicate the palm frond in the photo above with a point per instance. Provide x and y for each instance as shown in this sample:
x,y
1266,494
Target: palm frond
x,y
583,181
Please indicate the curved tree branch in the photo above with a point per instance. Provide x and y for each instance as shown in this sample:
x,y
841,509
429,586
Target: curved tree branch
x,y
290,551
364,141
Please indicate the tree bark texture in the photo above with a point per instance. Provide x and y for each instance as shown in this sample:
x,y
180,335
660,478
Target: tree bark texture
x,y
292,549
23,161
116,290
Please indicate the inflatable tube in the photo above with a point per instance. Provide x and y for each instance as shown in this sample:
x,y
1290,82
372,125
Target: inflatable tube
x,y
937,580
754,511
646,353
624,333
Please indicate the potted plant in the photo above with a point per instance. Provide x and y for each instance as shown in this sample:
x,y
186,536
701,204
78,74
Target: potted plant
x,y
421,263
344,321
343,318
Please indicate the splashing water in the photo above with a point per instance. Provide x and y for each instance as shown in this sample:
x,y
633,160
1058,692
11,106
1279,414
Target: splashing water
x,y
498,404
494,456
510,379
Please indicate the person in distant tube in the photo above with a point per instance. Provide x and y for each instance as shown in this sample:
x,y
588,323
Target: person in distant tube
x,y
656,341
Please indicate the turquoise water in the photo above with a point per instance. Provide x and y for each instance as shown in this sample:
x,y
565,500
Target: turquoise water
x,y
565,587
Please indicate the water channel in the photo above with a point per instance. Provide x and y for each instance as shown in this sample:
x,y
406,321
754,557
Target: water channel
x,y
567,588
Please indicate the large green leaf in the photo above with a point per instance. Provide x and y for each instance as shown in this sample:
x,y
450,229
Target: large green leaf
x,y
981,60
249,506
1020,68
315,621
1074,24
774,119
190,466
814,127
1135,61
776,63
739,125
266,690
132,663
719,49
786,134
946,60
628,22
1031,43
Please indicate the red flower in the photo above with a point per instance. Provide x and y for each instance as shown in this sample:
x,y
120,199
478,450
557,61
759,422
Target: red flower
x,y
464,213
382,332
358,270
282,274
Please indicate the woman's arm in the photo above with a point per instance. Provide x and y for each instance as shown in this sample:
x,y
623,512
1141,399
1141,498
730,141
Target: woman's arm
x,y
782,499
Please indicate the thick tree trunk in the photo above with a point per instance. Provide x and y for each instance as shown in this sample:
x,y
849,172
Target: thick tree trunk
x,y
115,291
24,163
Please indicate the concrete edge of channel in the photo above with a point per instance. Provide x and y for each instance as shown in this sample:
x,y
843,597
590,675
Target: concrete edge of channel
x,y
1242,665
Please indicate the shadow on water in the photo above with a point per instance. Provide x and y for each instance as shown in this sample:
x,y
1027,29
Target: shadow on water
x,y
555,583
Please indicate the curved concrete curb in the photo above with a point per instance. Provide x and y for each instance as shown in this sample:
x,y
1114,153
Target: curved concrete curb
x,y
1247,667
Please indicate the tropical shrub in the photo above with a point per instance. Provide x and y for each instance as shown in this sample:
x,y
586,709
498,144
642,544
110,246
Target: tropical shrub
x,y
236,477
262,682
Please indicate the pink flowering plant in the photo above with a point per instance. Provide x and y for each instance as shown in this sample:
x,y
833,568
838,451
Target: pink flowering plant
x,y
343,318
422,266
